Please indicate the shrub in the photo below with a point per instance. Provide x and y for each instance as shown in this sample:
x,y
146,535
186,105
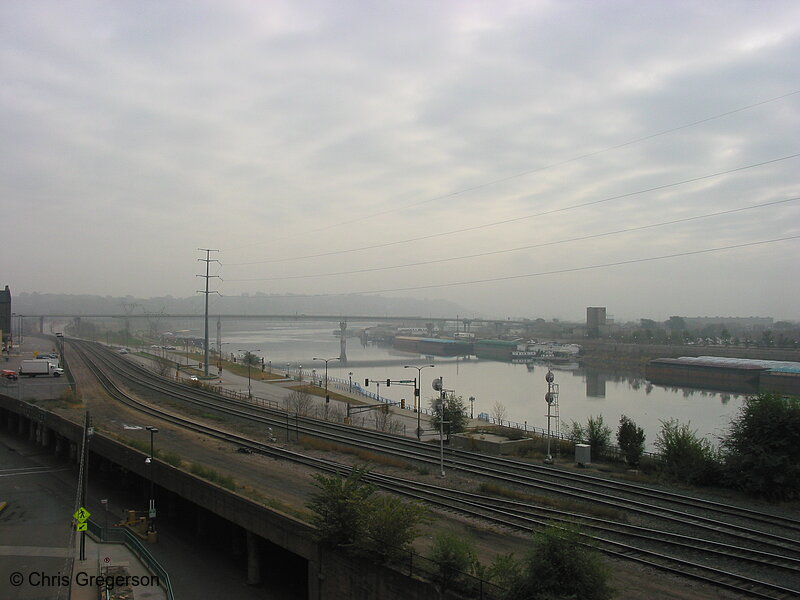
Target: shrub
x,y
559,567
454,555
340,507
761,451
630,440
391,526
504,571
686,457
596,433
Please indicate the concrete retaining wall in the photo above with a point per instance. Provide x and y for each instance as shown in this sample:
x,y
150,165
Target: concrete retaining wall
x,y
330,574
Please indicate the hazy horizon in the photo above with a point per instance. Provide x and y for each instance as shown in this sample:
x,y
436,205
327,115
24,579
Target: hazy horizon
x,y
361,305
513,158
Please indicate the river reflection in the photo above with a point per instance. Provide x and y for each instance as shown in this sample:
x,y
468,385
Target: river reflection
x,y
519,388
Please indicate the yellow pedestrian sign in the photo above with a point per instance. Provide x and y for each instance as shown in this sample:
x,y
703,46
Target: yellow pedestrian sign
x,y
81,515
82,526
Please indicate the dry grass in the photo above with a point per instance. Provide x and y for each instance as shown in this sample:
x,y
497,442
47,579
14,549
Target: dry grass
x,y
365,455
314,390
565,505
275,504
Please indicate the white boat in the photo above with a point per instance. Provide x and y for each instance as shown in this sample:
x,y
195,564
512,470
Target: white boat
x,y
545,351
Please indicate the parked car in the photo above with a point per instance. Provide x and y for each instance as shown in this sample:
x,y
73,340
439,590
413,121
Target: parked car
x,y
8,374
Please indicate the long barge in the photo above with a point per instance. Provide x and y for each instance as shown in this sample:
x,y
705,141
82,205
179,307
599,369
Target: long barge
x,y
726,374
433,346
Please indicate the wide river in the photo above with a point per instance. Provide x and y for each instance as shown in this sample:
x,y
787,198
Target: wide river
x,y
519,388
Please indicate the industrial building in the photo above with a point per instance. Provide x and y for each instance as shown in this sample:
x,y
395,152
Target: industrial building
x,y
595,321
5,319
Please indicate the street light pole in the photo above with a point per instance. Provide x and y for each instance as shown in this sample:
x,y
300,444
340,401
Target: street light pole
x,y
327,395
151,515
248,357
417,399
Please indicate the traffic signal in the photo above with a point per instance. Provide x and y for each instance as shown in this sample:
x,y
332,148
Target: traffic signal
x,y
402,402
388,382
366,382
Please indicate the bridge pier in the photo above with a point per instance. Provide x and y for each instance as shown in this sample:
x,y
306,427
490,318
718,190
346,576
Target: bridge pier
x,y
343,343
236,541
253,561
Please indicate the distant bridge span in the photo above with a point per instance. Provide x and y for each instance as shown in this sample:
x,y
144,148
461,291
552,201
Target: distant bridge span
x,y
293,317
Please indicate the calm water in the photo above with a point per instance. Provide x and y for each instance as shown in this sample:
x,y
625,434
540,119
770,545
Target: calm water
x,y
521,390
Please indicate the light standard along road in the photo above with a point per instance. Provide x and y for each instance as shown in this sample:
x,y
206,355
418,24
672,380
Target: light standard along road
x,y
151,514
248,358
327,396
417,404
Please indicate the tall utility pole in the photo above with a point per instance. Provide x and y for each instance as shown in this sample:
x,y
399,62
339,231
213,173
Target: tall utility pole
x,y
208,260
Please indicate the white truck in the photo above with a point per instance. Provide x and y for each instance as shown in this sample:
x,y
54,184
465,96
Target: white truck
x,y
40,366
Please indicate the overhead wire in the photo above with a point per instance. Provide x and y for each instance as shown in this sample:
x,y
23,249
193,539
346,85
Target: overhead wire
x,y
552,272
520,218
527,247
533,170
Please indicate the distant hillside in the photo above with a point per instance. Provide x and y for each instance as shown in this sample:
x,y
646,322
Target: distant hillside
x,y
51,304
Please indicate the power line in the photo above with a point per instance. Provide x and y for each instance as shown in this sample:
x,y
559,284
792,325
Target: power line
x,y
553,272
528,247
517,219
536,169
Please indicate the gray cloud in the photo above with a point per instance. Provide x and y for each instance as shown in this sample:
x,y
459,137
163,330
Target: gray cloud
x,y
134,133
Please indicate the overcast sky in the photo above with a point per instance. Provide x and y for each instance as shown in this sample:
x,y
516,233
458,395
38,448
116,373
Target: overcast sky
x,y
310,140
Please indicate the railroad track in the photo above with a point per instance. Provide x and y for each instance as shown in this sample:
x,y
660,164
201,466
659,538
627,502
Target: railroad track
x,y
742,548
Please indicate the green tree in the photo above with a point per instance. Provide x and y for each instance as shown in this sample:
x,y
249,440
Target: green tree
x,y
454,412
454,556
559,567
341,507
685,456
250,359
766,338
505,570
391,526
596,433
349,514
675,324
630,440
761,450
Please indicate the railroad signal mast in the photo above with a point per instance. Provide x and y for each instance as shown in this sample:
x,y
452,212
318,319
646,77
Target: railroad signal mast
x,y
551,398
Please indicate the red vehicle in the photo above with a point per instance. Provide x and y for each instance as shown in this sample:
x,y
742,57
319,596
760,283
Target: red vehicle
x,y
9,374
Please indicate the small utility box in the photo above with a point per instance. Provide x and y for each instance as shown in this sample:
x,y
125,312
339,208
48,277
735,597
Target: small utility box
x,y
583,454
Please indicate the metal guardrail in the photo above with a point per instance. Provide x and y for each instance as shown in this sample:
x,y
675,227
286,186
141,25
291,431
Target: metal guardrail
x,y
121,535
